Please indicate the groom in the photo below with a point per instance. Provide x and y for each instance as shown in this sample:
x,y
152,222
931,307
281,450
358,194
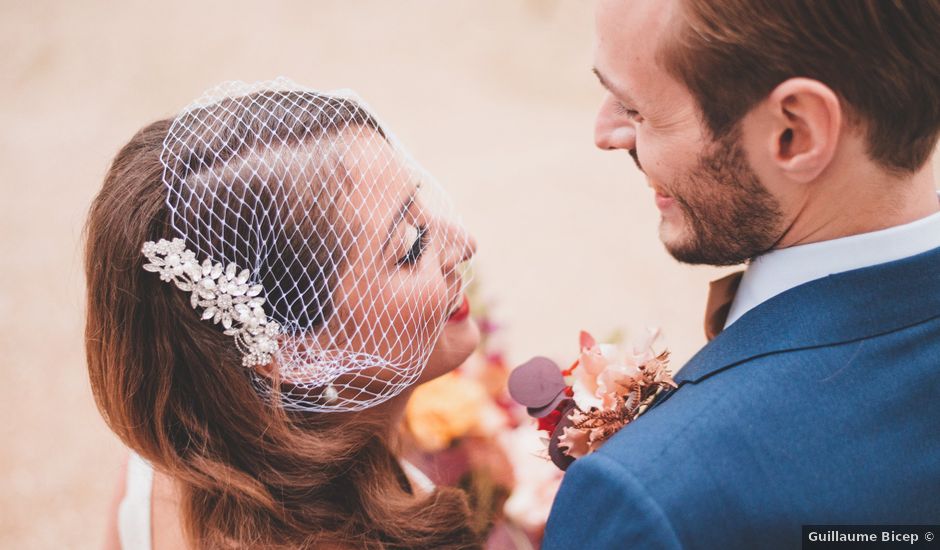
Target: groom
x,y
796,136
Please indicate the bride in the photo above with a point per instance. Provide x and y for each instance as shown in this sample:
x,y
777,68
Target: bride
x,y
269,275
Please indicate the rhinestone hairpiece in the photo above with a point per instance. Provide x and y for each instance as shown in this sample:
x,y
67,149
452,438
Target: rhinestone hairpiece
x,y
223,293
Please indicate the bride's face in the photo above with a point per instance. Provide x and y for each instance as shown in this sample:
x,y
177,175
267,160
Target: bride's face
x,y
401,297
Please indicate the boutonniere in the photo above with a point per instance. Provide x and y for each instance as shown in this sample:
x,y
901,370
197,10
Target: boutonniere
x,y
582,406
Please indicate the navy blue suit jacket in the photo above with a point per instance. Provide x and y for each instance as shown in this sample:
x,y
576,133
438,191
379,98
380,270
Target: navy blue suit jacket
x,y
820,406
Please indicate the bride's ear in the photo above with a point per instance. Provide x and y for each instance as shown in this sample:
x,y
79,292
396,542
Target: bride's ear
x,y
267,370
800,124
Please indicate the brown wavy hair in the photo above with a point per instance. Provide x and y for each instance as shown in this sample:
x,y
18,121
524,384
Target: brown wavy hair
x,y
171,386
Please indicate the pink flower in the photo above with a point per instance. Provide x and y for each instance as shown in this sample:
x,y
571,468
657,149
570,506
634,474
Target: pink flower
x,y
536,479
584,397
575,441
616,380
605,371
643,350
592,363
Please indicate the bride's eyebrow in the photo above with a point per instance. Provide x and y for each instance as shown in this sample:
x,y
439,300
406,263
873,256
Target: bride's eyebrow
x,y
402,212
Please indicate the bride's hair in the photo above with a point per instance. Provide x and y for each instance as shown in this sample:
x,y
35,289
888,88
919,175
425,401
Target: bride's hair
x,y
173,388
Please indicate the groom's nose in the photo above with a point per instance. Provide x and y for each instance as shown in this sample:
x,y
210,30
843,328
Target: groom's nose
x,y
611,129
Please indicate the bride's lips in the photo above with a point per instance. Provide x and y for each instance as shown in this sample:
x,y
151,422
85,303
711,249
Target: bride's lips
x,y
461,312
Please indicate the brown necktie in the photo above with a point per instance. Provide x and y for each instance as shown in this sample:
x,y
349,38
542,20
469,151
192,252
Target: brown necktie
x,y
720,296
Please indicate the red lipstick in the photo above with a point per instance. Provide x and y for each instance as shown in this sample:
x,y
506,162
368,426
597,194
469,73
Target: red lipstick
x,y
461,312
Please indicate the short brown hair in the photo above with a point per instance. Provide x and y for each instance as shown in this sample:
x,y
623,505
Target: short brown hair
x,y
881,57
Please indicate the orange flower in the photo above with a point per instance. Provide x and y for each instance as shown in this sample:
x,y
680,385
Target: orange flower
x,y
448,408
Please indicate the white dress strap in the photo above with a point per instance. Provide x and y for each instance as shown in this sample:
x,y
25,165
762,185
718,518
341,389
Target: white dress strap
x,y
134,510
417,477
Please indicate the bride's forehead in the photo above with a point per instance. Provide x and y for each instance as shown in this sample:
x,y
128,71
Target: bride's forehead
x,y
379,182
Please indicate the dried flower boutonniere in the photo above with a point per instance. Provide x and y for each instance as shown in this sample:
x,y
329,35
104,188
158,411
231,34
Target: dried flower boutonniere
x,y
583,406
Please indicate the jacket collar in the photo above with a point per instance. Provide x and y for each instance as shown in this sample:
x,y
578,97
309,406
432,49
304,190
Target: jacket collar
x,y
836,309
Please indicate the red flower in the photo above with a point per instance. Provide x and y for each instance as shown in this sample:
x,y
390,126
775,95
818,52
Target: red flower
x,y
570,370
548,423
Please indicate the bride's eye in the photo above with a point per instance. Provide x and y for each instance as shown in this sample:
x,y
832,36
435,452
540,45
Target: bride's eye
x,y
416,239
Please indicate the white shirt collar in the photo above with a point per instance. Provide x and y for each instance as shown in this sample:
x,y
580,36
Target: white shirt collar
x,y
780,270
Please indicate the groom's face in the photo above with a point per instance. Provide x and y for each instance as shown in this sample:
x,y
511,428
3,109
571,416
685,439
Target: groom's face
x,y
714,208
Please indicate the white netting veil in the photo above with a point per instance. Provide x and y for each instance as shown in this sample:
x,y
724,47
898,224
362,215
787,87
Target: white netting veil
x,y
306,230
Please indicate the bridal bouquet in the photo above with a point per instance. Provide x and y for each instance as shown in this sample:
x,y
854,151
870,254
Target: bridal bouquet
x,y
605,389
464,430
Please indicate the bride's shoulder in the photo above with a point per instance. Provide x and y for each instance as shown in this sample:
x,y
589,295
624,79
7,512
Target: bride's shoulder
x,y
167,525
145,513
132,514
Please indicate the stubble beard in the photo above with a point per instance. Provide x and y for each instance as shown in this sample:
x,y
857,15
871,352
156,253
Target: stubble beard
x,y
729,216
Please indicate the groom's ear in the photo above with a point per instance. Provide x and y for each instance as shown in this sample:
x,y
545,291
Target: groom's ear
x,y
800,122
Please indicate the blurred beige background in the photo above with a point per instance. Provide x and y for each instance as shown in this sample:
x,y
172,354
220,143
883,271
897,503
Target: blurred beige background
x,y
495,97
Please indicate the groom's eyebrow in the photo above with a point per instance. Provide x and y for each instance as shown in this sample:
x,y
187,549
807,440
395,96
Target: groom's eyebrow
x,y
611,88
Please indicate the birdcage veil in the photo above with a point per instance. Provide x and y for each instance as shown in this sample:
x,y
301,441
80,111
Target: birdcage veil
x,y
299,227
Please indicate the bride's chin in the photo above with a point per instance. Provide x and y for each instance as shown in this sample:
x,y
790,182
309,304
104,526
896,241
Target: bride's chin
x,y
456,343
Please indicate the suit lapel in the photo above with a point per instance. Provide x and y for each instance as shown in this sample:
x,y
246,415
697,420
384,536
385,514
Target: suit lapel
x,y
836,309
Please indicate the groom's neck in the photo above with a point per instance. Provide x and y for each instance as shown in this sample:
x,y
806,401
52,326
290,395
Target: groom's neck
x,y
851,199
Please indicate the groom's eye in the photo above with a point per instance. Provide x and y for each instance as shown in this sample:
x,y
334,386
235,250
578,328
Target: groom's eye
x,y
416,240
623,110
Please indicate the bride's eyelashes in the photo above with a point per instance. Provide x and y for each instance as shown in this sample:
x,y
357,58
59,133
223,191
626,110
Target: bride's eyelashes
x,y
418,237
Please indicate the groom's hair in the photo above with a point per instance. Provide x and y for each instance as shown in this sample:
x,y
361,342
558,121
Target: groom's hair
x,y
881,57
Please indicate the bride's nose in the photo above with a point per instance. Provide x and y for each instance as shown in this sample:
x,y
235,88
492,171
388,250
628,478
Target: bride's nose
x,y
459,246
